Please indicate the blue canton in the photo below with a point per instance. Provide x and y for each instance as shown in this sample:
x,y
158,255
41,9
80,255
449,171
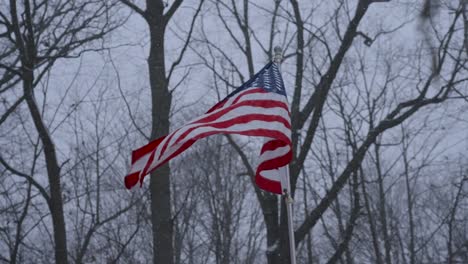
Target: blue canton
x,y
268,78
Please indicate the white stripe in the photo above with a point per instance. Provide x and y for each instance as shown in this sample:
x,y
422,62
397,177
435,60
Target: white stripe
x,y
188,126
275,153
255,124
275,174
272,175
252,125
263,96
278,175
161,145
253,96
245,111
230,100
234,113
140,164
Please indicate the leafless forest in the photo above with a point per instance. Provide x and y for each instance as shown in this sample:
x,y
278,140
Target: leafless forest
x,y
378,94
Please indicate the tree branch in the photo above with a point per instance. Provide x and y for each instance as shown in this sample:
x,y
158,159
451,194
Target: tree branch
x,y
172,10
27,177
135,8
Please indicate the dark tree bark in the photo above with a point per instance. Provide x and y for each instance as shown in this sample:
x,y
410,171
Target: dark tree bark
x,y
306,117
161,99
161,104
40,37
53,170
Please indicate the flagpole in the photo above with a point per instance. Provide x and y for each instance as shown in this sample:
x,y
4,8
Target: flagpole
x,y
292,245
278,57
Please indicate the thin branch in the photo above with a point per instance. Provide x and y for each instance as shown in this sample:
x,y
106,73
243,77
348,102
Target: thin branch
x,y
27,177
187,41
135,8
127,105
11,109
172,10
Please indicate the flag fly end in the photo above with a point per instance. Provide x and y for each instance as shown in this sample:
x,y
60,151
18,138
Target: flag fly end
x,y
131,180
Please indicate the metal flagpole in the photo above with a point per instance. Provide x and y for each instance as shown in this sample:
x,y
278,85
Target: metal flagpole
x,y
286,187
292,243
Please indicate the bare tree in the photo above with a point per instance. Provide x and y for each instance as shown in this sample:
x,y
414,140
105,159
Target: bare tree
x,y
325,73
161,99
42,32
96,190
379,171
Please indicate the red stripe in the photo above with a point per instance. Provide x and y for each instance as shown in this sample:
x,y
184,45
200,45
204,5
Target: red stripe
x,y
148,163
264,183
275,163
253,103
167,142
138,153
131,180
241,94
250,91
181,149
216,106
225,124
272,145
191,141
214,116
217,115
236,121
251,132
210,121
268,185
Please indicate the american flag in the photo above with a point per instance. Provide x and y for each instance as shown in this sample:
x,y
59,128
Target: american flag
x,y
258,108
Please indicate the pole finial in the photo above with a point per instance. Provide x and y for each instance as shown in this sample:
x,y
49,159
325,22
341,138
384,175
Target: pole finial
x,y
278,55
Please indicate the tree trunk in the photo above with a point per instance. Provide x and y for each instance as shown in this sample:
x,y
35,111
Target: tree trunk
x,y
382,206
409,191
161,104
371,221
55,202
283,256
272,223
